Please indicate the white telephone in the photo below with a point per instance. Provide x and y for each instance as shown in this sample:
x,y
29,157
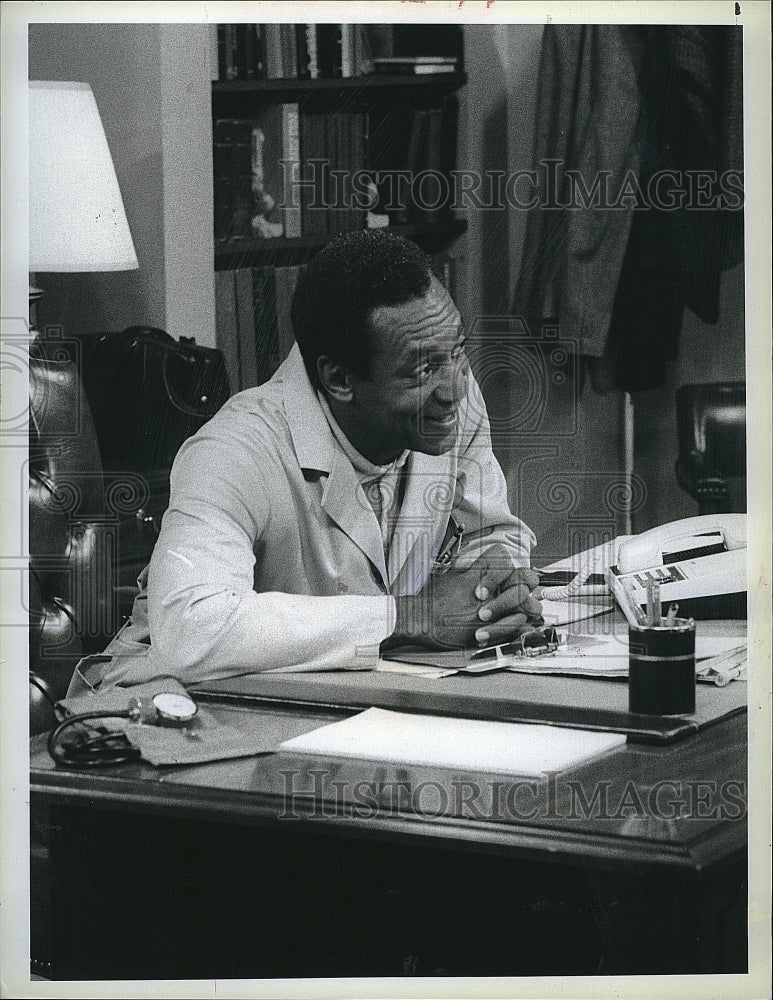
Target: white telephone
x,y
698,562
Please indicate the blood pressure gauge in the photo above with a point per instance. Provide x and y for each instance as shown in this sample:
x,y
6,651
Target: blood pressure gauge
x,y
167,708
174,709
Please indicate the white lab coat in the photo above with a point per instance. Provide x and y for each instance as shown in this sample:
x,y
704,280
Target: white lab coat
x,y
270,556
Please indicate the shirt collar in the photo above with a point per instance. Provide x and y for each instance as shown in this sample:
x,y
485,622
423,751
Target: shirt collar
x,y
311,434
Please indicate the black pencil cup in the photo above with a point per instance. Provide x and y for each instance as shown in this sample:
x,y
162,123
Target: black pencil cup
x,y
661,668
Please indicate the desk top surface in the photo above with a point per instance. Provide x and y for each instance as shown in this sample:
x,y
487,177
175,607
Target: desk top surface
x,y
680,805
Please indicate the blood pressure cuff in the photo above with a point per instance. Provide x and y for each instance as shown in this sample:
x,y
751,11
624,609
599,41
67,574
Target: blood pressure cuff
x,y
202,739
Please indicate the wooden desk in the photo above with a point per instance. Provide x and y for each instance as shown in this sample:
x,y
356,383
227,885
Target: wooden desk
x,y
283,865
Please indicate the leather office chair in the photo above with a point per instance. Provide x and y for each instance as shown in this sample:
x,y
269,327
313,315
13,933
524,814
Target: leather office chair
x,y
91,531
72,543
72,599
107,415
711,429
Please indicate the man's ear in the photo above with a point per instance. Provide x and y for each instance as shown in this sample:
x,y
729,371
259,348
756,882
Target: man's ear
x,y
335,379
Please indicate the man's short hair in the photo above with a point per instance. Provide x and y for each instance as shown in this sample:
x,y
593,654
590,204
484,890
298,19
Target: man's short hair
x,y
340,287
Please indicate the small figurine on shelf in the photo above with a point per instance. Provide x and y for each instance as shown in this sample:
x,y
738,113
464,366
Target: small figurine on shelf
x,y
373,219
266,220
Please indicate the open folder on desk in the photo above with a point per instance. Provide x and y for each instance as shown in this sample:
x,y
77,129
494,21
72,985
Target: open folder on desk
x,y
471,744
579,655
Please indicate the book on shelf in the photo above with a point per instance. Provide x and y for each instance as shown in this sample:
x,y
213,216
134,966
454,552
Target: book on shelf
x,y
241,51
306,52
332,149
348,51
329,51
286,52
285,280
414,65
288,42
245,51
291,169
226,51
277,211
314,158
274,68
425,157
226,326
253,321
250,157
231,168
423,142
371,41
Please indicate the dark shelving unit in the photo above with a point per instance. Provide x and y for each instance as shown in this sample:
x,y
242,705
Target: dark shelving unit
x,y
283,251
376,124
237,98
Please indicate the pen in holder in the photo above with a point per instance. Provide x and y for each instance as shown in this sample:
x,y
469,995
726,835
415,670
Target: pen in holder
x,y
661,663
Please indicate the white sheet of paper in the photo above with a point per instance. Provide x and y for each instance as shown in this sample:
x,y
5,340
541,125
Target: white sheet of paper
x,y
472,744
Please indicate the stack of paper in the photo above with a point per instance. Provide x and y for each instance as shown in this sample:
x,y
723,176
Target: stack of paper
x,y
581,655
471,744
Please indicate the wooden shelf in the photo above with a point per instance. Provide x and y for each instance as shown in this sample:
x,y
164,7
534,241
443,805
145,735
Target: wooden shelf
x,y
285,251
235,98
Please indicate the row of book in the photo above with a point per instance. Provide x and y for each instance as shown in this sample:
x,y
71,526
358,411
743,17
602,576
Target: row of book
x,y
254,330
253,323
296,174
317,52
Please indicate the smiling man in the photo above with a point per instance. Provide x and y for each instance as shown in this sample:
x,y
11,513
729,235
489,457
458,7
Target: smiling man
x,y
350,502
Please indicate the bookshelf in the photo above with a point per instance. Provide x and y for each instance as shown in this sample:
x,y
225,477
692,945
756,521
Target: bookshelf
x,y
242,96
297,161
232,253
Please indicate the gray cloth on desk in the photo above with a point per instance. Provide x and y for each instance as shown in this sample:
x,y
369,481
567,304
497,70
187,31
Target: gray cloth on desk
x,y
202,739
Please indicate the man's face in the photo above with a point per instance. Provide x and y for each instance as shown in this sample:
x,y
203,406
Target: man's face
x,y
416,380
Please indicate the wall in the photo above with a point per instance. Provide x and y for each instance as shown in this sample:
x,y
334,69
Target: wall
x,y
151,84
186,124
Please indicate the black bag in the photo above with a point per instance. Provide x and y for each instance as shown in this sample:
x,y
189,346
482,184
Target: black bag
x,y
148,393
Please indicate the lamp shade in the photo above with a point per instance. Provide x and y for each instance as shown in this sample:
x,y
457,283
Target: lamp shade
x,y
77,219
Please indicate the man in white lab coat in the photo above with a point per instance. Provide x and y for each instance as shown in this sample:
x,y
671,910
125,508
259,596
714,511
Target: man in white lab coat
x,y
351,501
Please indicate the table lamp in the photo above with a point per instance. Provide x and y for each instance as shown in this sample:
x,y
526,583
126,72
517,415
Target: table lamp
x,y
77,220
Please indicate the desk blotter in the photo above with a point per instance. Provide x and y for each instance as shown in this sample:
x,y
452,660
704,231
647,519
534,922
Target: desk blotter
x,y
580,702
